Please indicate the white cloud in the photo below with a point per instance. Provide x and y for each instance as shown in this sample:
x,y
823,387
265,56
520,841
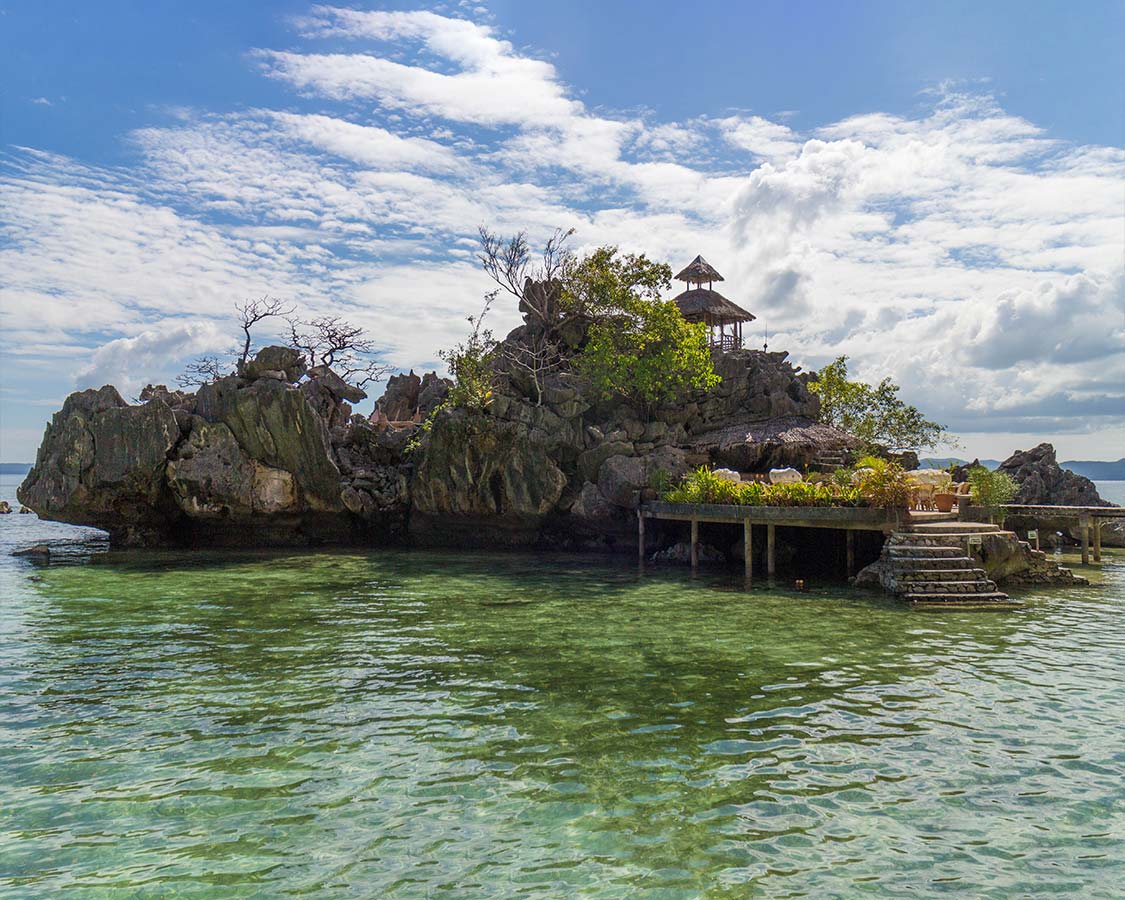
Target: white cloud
x,y
963,251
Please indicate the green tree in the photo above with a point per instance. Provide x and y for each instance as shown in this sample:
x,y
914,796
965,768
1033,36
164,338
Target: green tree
x,y
875,414
472,364
638,346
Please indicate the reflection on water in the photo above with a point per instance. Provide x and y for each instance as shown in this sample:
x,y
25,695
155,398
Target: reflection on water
x,y
397,725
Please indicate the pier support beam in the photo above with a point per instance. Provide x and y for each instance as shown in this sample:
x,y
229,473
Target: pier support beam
x,y
1084,525
850,542
771,548
1097,540
748,548
640,537
694,544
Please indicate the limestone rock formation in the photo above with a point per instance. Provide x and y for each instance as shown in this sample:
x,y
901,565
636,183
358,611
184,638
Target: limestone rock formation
x,y
275,455
1042,481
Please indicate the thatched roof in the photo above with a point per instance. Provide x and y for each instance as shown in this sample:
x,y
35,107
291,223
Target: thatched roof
x,y
699,270
699,304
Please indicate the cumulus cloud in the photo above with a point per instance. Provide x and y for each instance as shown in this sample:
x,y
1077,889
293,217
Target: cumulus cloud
x,y
963,251
128,362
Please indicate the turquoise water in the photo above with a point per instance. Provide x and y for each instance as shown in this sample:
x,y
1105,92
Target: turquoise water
x,y
407,725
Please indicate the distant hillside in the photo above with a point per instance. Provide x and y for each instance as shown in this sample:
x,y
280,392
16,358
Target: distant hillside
x,y
15,468
944,462
1096,469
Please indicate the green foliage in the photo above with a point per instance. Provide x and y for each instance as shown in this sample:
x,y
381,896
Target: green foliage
x,y
425,428
471,364
704,486
660,480
638,346
991,489
604,283
883,483
876,415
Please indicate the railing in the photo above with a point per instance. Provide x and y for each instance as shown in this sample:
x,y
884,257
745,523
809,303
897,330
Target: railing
x,y
726,342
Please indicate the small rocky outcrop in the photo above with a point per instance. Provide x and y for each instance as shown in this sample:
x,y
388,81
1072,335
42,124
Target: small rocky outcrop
x,y
248,459
411,397
1043,482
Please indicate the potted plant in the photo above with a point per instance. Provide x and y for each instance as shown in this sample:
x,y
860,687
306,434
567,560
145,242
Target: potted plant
x,y
943,501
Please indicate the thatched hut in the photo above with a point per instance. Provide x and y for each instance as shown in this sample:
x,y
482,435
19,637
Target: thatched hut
x,y
706,305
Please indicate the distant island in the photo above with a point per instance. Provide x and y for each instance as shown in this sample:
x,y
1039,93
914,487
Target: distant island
x,y
1094,469
15,468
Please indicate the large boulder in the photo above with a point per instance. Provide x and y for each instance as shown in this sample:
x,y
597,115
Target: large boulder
x,y
212,477
335,385
275,359
274,424
476,470
1042,481
101,463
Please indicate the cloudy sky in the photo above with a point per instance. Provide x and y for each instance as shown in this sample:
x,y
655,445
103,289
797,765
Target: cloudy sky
x,y
940,194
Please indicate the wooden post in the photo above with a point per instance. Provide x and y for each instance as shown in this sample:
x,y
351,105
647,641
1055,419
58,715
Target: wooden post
x,y
1097,539
748,548
851,552
640,537
771,548
1084,524
694,544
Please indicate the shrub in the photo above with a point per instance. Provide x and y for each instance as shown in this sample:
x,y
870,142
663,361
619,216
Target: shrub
x,y
883,483
991,489
703,486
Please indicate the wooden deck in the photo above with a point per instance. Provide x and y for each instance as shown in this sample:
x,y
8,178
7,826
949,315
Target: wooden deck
x,y
1089,519
844,518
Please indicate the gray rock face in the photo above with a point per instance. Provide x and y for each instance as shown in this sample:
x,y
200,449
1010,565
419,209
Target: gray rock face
x,y
477,469
275,359
101,463
410,397
1043,481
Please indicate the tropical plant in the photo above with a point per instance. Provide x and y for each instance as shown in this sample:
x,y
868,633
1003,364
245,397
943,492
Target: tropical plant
x,y
704,486
882,482
991,489
875,414
471,364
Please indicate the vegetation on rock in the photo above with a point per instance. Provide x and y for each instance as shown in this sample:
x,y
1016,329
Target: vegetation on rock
x,y
991,489
875,414
704,486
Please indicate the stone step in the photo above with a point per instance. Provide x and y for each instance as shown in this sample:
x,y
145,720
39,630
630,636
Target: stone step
x,y
969,573
953,527
932,563
990,598
923,550
977,586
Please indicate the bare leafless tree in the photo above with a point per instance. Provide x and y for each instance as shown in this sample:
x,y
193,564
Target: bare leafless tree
x,y
343,347
538,357
508,262
204,370
251,312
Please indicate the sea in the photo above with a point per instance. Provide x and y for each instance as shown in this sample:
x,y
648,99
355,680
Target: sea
x,y
393,724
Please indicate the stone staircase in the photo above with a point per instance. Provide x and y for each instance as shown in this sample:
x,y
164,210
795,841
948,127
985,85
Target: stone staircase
x,y
828,461
930,564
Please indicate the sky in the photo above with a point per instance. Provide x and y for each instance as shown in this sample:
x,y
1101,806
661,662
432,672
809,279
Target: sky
x,y
935,190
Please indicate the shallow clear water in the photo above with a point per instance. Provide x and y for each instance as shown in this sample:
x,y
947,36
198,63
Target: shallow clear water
x,y
408,725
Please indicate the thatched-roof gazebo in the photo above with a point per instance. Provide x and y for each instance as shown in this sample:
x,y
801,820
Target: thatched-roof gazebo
x,y
702,304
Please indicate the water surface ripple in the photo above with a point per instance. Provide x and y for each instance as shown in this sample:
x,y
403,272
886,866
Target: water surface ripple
x,y
397,725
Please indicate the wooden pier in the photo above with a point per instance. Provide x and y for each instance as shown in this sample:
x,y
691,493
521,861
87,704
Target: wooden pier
x,y
1089,518
842,518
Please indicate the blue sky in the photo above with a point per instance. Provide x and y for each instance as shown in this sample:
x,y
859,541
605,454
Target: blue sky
x,y
937,190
